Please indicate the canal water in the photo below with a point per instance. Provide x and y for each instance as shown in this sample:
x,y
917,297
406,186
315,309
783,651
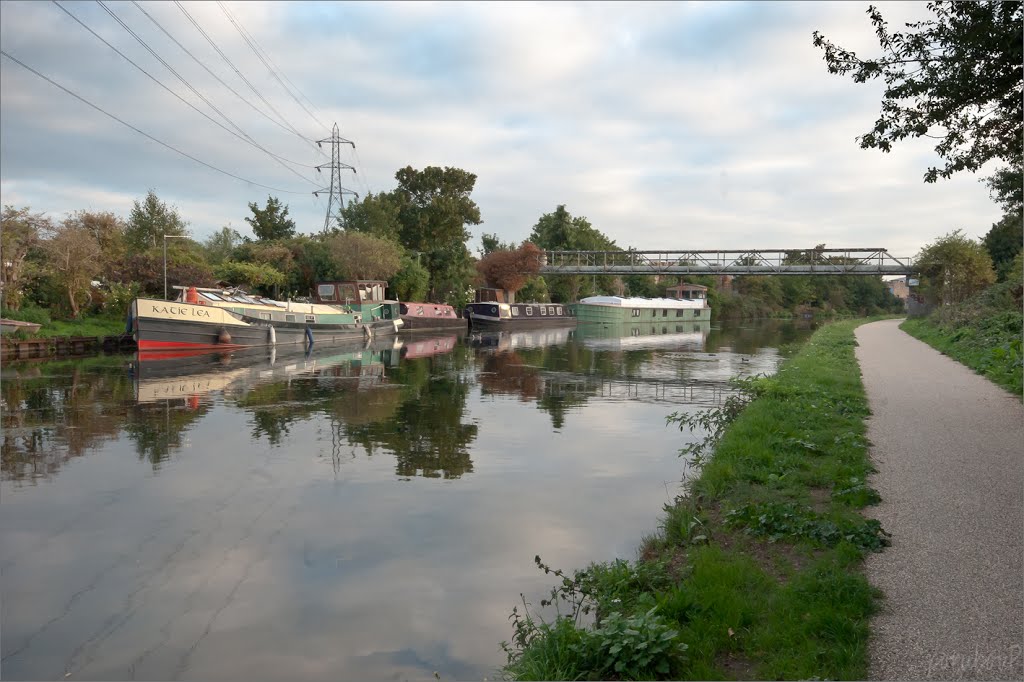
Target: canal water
x,y
354,512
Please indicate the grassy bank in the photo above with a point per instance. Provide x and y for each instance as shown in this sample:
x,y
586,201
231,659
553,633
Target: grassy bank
x,y
96,325
756,573
983,333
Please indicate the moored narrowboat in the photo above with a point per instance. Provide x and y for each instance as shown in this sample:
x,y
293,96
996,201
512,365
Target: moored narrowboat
x,y
685,302
494,308
430,317
206,318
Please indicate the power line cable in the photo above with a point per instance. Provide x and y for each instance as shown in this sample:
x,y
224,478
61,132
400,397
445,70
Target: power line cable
x,y
219,80
157,81
239,73
141,132
257,51
242,135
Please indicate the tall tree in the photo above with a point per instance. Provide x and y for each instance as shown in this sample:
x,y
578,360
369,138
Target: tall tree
x,y
510,269
411,282
73,255
434,209
149,221
1003,242
435,206
20,232
376,214
363,256
959,74
953,268
271,222
560,231
221,244
491,243
108,230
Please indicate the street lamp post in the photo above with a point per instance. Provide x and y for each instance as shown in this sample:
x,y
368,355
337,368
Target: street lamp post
x,y
166,237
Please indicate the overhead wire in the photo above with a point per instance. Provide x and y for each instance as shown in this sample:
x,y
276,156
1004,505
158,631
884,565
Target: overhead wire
x,y
242,135
158,82
276,71
240,75
141,132
251,42
209,71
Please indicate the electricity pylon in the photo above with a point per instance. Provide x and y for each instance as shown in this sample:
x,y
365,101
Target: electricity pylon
x,y
335,190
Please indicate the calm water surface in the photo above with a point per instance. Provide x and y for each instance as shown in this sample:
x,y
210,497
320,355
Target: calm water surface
x,y
349,513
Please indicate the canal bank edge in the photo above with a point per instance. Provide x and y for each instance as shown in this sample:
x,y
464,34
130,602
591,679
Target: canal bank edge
x,y
757,573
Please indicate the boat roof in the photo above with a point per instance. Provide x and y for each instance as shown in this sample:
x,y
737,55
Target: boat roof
x,y
643,302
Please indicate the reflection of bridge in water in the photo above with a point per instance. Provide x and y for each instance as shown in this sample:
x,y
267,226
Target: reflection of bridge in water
x,y
698,392
859,261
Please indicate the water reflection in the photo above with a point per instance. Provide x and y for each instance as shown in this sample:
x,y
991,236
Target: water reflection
x,y
365,511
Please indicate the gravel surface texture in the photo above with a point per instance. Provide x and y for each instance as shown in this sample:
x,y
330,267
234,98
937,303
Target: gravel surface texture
x,y
949,449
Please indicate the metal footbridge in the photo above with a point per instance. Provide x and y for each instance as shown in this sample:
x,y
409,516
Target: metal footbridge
x,y
862,261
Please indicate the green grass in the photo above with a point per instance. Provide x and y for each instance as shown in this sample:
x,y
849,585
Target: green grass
x,y
87,326
988,342
757,570
90,326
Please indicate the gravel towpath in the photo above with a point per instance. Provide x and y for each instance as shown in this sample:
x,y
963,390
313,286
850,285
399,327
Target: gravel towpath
x,y
949,449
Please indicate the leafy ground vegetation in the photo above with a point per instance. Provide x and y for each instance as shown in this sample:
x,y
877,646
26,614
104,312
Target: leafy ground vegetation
x,y
983,333
99,324
755,572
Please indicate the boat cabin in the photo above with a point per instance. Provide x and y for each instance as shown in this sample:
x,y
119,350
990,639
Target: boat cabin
x,y
687,292
356,293
492,295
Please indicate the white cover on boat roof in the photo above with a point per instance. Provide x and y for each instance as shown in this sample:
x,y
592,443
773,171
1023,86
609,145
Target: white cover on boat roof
x,y
671,303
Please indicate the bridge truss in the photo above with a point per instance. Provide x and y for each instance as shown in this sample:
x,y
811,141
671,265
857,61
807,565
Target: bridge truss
x,y
864,261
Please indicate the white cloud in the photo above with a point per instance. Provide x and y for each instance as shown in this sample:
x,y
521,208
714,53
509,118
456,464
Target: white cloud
x,y
714,123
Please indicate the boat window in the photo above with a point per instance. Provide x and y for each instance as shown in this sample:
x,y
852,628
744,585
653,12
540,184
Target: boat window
x,y
529,311
289,318
679,313
264,316
310,318
347,293
636,312
696,313
515,310
559,310
664,312
211,296
543,310
419,310
325,292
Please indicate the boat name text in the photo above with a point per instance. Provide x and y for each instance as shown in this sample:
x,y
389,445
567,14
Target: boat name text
x,y
180,310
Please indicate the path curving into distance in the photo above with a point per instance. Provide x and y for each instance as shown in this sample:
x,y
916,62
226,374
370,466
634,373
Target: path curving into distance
x,y
949,448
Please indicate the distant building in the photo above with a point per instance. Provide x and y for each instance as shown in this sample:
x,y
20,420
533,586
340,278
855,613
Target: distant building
x,y
899,289
687,292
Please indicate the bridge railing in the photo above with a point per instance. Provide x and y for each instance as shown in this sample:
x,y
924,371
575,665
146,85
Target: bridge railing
x,y
847,261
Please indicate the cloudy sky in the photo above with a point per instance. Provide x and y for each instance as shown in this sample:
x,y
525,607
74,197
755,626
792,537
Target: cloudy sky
x,y
668,125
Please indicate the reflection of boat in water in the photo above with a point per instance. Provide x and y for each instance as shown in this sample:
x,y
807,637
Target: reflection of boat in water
x,y
158,377
690,335
531,338
424,348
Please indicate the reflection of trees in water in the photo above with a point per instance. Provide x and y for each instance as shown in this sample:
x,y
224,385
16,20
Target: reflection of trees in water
x,y
158,429
58,410
276,406
557,378
425,432
749,337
